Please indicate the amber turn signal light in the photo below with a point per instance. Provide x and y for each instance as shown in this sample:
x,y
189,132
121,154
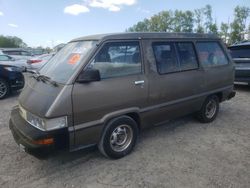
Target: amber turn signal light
x,y
45,141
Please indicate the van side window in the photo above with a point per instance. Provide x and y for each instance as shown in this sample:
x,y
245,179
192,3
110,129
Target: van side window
x,y
165,56
187,56
211,54
118,59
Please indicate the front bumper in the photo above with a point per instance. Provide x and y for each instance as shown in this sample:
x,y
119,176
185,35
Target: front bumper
x,y
27,136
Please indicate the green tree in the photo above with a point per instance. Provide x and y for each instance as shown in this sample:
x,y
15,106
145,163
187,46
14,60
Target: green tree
x,y
238,26
142,26
198,13
207,11
11,42
183,21
224,32
213,28
199,21
166,21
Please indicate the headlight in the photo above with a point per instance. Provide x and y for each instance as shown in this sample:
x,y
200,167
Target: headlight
x,y
16,69
42,123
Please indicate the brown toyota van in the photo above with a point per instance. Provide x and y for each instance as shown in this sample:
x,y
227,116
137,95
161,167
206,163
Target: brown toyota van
x,y
104,89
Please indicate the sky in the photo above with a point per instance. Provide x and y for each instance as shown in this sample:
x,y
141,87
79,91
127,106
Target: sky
x,y
50,22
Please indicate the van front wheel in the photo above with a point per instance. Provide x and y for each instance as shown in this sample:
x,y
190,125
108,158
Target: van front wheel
x,y
209,110
119,137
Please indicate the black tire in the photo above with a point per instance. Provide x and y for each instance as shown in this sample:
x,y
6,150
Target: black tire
x,y
203,115
121,123
4,89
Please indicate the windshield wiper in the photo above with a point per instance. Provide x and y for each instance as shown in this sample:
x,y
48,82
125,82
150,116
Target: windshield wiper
x,y
43,78
34,73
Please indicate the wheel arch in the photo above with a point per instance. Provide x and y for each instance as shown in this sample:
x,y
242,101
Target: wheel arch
x,y
131,112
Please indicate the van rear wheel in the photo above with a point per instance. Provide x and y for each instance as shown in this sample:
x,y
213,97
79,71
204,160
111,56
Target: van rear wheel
x,y
209,110
119,137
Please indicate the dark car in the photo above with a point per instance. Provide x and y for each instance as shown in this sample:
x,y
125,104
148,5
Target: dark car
x,y
241,56
11,79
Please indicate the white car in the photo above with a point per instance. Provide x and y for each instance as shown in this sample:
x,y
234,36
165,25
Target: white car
x,y
17,54
8,60
38,61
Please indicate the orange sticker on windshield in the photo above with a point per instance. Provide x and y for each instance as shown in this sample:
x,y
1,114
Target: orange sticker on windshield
x,y
74,59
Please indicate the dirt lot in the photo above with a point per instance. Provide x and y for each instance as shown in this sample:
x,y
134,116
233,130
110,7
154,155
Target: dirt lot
x,y
182,153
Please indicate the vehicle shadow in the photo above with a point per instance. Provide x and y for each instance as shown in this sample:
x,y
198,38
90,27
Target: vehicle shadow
x,y
242,87
14,94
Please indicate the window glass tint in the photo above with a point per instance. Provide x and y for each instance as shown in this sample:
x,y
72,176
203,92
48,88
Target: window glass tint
x,y
165,57
65,62
211,54
187,55
240,52
12,52
25,53
118,59
4,58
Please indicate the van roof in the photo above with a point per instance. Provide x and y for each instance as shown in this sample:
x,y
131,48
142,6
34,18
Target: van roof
x,y
146,35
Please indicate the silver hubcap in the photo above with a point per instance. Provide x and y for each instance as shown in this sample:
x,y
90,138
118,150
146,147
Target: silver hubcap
x,y
211,109
121,138
3,89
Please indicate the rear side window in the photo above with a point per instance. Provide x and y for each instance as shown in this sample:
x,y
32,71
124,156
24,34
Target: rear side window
x,y
117,59
187,56
25,53
4,58
165,56
211,54
12,52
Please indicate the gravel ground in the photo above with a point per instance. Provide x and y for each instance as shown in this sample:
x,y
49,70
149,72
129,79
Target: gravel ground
x,y
182,153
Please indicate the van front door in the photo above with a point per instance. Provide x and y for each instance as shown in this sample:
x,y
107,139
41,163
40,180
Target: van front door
x,y
122,87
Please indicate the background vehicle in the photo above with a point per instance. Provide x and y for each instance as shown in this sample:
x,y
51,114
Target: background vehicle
x,y
9,60
11,79
241,55
38,61
17,53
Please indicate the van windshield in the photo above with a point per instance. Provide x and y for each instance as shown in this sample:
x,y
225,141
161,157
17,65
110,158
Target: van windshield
x,y
62,66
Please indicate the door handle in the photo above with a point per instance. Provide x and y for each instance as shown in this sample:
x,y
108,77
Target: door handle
x,y
139,82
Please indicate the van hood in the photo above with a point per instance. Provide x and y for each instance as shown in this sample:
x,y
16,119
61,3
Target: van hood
x,y
44,99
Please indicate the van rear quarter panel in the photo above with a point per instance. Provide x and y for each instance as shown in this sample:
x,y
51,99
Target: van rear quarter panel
x,y
220,76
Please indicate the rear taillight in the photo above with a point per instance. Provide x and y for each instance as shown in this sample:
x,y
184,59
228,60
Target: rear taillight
x,y
33,61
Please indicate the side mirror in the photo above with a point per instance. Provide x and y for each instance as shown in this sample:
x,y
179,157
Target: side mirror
x,y
89,75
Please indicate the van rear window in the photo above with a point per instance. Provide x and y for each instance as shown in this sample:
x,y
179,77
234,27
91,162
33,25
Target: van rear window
x,y
169,60
187,56
165,56
211,54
